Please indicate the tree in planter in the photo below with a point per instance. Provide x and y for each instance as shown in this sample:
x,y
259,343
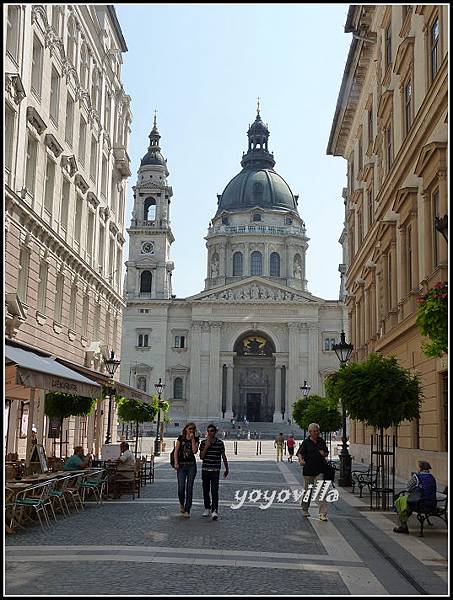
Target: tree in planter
x,y
377,392
61,405
432,319
298,410
137,411
319,410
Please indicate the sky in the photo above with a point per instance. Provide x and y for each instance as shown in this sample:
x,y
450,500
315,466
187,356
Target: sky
x,y
202,68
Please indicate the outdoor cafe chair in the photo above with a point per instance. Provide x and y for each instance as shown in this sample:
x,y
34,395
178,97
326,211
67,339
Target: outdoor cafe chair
x,y
95,483
72,490
36,497
58,493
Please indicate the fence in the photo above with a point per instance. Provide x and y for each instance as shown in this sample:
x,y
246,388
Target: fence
x,y
382,470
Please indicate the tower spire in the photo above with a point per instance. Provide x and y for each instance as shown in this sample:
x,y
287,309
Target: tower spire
x,y
258,106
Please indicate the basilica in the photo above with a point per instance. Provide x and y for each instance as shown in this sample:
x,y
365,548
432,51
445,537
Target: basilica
x,y
244,345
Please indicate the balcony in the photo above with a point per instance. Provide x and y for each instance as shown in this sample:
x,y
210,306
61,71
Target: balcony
x,y
260,229
122,161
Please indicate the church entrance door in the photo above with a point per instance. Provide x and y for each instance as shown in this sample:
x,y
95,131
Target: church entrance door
x,y
253,407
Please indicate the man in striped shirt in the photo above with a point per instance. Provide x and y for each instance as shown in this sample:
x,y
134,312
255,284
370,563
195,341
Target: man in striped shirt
x,y
212,450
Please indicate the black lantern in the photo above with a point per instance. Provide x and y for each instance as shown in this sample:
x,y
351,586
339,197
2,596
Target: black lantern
x,y
343,352
159,388
111,364
305,388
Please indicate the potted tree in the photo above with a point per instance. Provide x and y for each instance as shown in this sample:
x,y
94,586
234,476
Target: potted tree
x,y
137,411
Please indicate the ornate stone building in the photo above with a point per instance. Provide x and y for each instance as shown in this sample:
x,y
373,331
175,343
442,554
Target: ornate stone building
x,y
391,126
244,345
67,121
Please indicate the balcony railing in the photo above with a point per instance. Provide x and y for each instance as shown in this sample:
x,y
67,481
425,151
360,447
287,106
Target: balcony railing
x,y
261,229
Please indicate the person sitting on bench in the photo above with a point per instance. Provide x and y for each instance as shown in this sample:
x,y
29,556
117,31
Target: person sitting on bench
x,y
420,493
125,470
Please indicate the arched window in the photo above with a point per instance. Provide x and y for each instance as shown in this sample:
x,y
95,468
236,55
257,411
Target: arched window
x,y
56,19
141,383
96,90
256,263
177,389
274,266
143,340
71,45
149,213
12,32
146,279
84,66
237,263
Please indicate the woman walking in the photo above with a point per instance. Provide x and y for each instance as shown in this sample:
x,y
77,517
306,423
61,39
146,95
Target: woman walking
x,y
186,466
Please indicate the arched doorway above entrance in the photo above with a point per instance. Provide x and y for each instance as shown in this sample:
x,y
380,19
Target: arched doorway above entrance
x,y
254,377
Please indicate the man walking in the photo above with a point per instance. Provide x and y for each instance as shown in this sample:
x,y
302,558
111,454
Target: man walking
x,y
211,451
279,443
311,454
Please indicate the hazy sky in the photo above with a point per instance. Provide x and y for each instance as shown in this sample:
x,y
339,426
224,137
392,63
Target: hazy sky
x,y
202,67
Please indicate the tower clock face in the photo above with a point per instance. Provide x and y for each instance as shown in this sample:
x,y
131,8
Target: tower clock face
x,y
147,248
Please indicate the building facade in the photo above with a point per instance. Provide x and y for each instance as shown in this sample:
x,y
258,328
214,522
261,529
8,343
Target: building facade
x,y
244,345
391,126
67,124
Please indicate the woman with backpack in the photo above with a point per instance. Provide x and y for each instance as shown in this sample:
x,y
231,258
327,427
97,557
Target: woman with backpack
x,y
186,466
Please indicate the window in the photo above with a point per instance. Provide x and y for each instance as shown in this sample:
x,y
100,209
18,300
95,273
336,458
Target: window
x,y
370,125
96,90
143,340
107,328
113,195
59,289
12,32
360,154
73,308
409,257
107,111
237,264
141,383
69,125
180,341
30,173
359,226
326,344
42,287
22,281
71,45
85,310
389,281
93,158
96,321
121,207
370,207
78,219
257,217
101,247
149,213
224,220
332,343
145,282
436,234
54,95
288,221
256,263
112,260
90,237
36,67
434,42
118,265
388,140
115,332
84,68
408,105
274,264
56,19
65,198
388,46
104,176
177,388
50,185
10,117
82,140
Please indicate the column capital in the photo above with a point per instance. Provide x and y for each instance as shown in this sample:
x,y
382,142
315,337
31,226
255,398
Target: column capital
x,y
215,324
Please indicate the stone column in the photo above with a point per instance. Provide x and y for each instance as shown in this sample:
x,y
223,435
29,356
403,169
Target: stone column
x,y
229,393
366,307
278,395
31,417
195,368
428,228
293,367
40,400
214,407
12,427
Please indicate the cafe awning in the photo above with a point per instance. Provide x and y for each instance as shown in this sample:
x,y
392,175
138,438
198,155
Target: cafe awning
x,y
45,373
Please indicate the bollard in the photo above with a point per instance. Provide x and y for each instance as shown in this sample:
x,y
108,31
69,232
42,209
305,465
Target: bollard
x,y
260,446
235,447
257,445
285,449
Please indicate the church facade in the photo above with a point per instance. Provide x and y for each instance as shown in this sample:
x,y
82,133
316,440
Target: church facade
x,y
244,345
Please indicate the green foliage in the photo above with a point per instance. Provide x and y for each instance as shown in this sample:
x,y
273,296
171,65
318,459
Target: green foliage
x,y
378,392
432,319
315,409
137,411
331,390
59,404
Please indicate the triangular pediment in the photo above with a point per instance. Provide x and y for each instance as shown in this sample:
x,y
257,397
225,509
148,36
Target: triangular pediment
x,y
254,290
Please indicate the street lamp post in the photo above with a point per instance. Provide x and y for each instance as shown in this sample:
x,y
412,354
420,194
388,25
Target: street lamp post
x,y
111,364
159,387
305,392
343,352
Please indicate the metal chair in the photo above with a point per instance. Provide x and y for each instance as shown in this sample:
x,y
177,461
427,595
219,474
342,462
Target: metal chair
x,y
58,493
95,483
72,490
35,497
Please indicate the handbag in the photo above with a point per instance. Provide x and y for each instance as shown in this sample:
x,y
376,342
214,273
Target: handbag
x,y
172,458
414,496
329,472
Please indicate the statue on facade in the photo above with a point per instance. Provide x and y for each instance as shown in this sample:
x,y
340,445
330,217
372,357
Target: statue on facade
x,y
215,266
297,270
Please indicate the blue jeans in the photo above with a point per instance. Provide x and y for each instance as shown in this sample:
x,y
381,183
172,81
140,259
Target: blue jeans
x,y
186,478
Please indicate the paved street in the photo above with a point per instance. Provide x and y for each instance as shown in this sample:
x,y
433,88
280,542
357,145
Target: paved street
x,y
143,546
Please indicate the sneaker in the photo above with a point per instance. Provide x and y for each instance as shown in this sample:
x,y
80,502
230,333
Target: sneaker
x,y
214,515
323,518
306,513
207,512
182,509
185,514
401,529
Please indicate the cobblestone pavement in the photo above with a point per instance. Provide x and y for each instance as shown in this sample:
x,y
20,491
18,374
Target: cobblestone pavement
x,y
144,547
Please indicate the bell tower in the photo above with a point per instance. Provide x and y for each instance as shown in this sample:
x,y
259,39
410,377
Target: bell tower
x,y
149,267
